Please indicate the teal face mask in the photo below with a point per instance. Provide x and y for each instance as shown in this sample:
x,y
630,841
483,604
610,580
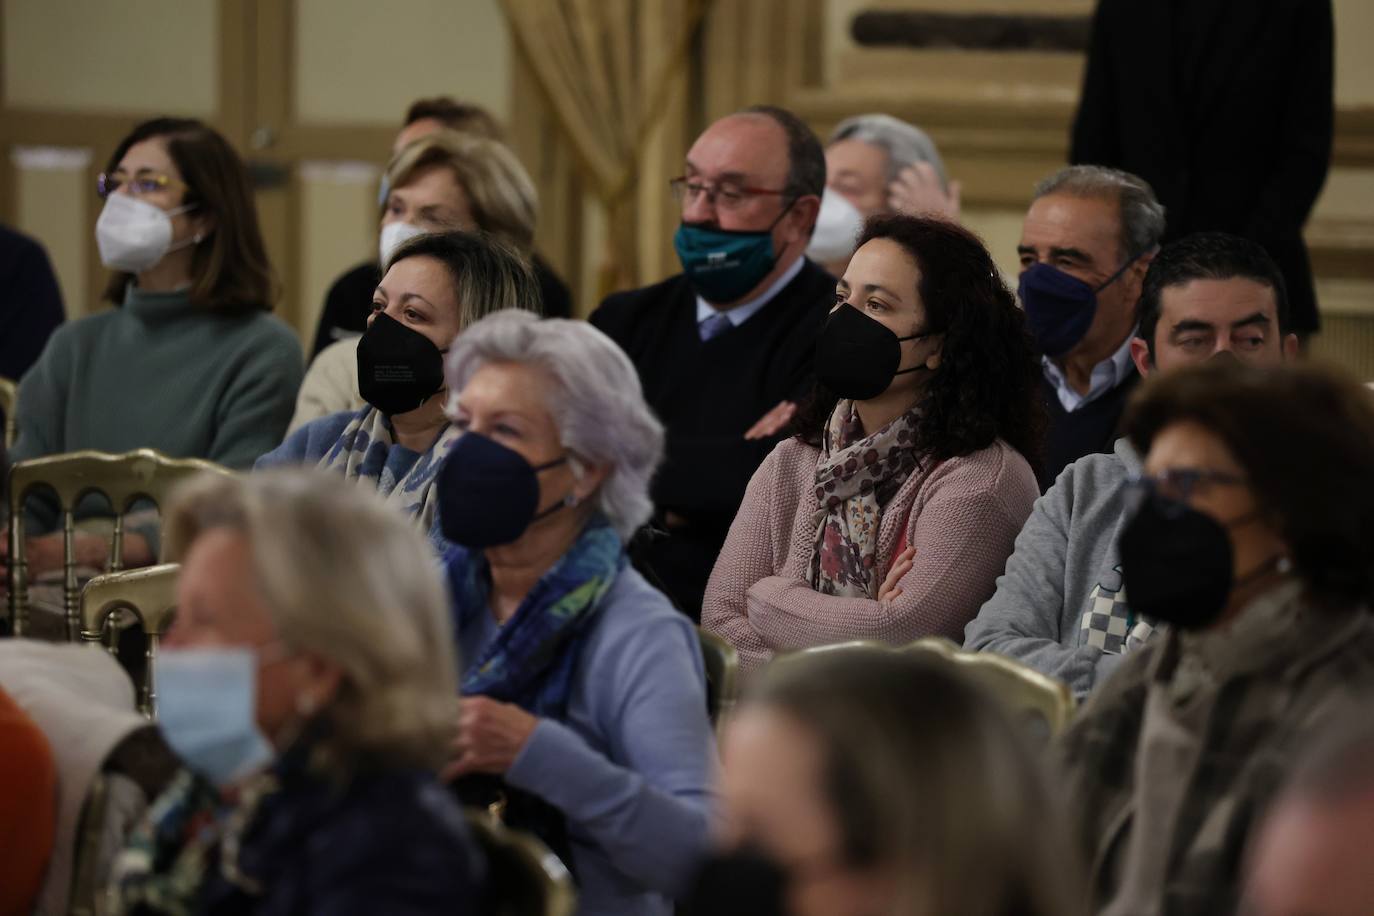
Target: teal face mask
x,y
724,264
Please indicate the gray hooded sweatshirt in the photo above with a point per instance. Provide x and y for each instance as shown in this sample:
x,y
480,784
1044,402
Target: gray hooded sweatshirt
x,y
1060,606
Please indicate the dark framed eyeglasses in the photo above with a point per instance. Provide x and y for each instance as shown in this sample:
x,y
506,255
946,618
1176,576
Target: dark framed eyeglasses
x,y
1178,485
725,195
106,183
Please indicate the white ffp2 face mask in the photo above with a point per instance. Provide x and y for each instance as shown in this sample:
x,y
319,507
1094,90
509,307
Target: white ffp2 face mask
x,y
837,229
133,234
393,236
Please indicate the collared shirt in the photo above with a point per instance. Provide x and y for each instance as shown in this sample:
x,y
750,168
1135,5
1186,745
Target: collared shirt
x,y
741,313
1105,376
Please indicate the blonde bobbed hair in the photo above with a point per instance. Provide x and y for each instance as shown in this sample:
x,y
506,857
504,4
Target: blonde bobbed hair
x,y
930,782
348,578
498,188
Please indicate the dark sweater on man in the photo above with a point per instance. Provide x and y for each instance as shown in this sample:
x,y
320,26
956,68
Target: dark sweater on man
x,y
708,394
1091,429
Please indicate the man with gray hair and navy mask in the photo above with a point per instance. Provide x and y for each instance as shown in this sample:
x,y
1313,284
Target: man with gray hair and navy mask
x,y
1061,606
877,164
1086,242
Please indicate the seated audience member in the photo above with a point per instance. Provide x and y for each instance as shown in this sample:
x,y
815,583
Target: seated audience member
x,y
30,303
308,685
724,349
188,362
1312,856
1060,607
28,803
348,302
84,703
892,511
863,781
584,697
435,286
1086,242
1250,540
876,164
443,182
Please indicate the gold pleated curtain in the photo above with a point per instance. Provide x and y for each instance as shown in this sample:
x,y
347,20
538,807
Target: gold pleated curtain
x,y
606,67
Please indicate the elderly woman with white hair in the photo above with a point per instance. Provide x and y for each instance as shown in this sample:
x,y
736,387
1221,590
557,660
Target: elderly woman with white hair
x,y
876,164
584,710
308,685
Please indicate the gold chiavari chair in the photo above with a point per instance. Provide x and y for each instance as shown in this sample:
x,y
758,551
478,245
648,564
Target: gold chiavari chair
x,y
124,479
150,595
523,877
1045,702
722,677
9,402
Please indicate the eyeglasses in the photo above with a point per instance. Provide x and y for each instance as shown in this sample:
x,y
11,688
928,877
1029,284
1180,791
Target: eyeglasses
x,y
106,183
1178,485
726,195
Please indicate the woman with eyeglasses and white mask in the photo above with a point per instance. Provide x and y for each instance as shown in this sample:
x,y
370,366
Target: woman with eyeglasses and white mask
x,y
189,362
444,181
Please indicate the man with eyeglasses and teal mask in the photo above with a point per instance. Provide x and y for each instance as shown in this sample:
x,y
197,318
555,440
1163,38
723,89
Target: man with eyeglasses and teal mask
x,y
724,349
1062,606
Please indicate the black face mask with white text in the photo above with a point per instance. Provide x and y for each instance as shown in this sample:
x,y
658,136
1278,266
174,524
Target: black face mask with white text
x,y
398,368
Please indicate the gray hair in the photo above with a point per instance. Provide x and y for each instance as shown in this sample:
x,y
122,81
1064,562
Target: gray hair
x,y
905,144
598,403
1142,215
346,576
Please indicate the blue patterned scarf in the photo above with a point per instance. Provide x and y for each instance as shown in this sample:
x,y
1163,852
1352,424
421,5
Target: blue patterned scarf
x,y
367,453
531,660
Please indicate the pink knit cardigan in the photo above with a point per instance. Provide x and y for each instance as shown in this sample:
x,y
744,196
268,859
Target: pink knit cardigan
x,y
962,516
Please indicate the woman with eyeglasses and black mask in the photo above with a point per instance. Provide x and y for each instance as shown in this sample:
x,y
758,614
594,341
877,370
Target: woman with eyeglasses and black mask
x,y
891,512
189,362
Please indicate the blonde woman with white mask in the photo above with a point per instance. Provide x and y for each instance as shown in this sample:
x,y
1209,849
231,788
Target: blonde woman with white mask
x,y
440,180
189,362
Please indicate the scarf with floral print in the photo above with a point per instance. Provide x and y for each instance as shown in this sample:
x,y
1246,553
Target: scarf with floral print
x,y
856,476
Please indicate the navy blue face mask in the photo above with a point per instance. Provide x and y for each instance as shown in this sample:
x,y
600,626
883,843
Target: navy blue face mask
x,y
489,494
1059,307
724,264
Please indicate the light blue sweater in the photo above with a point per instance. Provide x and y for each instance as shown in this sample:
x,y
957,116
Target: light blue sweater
x,y
632,764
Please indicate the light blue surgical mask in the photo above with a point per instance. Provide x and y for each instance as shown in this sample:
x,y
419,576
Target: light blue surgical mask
x,y
207,705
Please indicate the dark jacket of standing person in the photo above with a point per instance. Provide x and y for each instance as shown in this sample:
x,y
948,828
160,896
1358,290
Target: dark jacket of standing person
x,y
1225,108
30,302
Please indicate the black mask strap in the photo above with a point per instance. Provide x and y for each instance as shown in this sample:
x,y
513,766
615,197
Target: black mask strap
x,y
904,340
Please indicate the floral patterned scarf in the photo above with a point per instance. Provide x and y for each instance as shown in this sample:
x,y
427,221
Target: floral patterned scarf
x,y
856,476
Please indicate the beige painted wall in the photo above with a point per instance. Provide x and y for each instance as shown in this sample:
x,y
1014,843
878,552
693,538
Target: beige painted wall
x,y
53,196
339,229
97,55
360,61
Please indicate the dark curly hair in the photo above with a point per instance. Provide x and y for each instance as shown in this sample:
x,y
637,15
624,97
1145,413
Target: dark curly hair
x,y
1305,436
988,384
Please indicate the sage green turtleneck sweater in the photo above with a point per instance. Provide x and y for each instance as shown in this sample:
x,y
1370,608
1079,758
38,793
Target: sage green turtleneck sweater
x,y
161,373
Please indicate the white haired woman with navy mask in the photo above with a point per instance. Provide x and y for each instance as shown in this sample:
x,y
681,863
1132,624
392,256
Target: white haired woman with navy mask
x,y
584,705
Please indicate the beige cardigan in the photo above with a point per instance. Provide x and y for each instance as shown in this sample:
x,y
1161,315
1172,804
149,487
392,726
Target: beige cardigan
x,y
962,516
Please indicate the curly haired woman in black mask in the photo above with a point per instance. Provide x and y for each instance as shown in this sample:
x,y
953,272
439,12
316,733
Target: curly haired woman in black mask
x,y
892,511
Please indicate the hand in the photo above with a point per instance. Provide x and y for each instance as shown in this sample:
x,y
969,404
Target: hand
x,y
890,590
491,734
771,423
917,192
